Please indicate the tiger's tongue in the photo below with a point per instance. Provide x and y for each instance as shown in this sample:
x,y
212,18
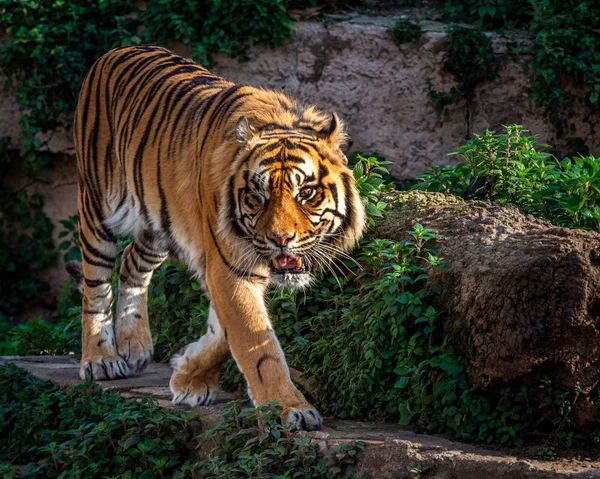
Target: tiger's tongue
x,y
287,262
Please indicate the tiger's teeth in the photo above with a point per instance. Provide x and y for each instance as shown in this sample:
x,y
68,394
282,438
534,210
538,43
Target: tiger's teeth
x,y
298,263
274,262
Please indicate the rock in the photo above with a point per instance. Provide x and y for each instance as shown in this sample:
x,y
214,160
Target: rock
x,y
523,296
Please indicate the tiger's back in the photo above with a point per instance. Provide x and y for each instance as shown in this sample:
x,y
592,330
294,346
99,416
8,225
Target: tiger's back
x,y
137,111
242,184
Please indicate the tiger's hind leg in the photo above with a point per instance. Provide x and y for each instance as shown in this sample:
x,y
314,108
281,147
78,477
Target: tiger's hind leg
x,y
100,359
195,379
134,339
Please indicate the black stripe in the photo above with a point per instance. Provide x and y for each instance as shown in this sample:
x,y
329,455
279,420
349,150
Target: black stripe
x,y
259,363
96,252
144,253
238,272
350,216
237,228
93,262
94,283
97,311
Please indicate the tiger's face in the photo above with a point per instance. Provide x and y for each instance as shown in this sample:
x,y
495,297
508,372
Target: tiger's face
x,y
293,202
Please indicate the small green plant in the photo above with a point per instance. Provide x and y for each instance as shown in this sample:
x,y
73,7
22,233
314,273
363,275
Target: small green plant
x,y
469,58
368,172
509,168
178,309
406,31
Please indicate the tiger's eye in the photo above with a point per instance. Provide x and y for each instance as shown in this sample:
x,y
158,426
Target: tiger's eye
x,y
306,192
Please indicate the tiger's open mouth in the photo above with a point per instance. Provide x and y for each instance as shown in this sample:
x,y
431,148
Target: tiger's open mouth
x,y
284,264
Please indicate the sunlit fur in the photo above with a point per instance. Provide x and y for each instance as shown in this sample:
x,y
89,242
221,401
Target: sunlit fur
x,y
220,176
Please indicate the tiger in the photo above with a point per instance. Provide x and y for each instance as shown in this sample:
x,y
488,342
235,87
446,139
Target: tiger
x,y
244,185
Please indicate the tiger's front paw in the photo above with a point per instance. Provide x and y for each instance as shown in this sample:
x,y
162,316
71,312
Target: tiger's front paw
x,y
194,388
135,349
103,368
302,418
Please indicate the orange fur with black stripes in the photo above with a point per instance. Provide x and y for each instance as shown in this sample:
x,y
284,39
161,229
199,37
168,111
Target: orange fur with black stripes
x,y
242,184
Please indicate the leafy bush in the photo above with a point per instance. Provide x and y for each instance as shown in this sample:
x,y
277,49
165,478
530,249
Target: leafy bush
x,y
38,337
369,175
406,31
88,432
177,309
508,168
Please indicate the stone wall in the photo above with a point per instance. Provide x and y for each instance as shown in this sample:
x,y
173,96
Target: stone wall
x,y
354,68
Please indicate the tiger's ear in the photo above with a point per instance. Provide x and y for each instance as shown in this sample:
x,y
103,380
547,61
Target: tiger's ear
x,y
244,131
333,131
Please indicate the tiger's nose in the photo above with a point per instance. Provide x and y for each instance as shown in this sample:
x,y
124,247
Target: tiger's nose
x,y
281,239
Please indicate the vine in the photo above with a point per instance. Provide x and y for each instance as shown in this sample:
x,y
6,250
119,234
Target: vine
x,y
469,58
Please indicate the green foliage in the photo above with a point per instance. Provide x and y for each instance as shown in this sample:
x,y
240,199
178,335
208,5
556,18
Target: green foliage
x,y
567,56
508,168
38,337
369,176
272,452
26,247
565,50
177,309
69,237
227,26
489,13
375,328
92,433
406,31
46,52
469,58
86,432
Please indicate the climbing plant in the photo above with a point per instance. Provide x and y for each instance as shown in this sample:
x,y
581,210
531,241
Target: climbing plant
x,y
469,58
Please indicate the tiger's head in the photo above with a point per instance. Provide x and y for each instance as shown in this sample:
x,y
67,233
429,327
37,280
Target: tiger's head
x,y
291,200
